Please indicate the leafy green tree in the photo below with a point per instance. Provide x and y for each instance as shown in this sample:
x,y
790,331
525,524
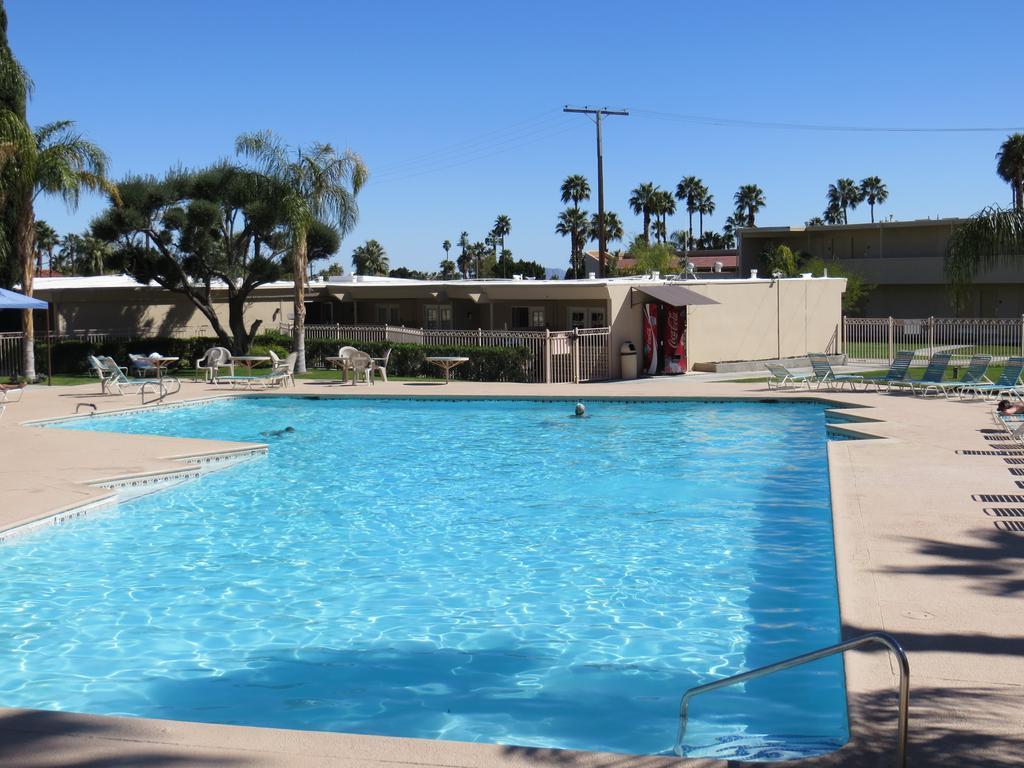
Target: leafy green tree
x,y
319,186
575,189
529,269
449,269
749,200
653,258
991,237
857,289
640,203
842,196
410,274
334,269
370,259
46,241
874,192
781,261
195,232
573,223
15,140
1010,166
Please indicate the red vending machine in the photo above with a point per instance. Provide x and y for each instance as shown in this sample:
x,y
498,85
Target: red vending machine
x,y
673,336
651,339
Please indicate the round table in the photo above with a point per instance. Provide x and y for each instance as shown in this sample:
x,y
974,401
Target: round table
x,y
447,364
160,363
250,361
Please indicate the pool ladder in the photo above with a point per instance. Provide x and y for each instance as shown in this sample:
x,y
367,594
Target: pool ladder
x,y
884,638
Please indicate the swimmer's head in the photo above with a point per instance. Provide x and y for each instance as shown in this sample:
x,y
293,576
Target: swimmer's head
x,y
289,429
581,409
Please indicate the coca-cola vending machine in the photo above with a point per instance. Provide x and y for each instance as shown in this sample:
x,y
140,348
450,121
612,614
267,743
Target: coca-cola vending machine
x,y
673,337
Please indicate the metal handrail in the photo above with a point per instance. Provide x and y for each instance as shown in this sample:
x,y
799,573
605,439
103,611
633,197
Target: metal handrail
x,y
872,637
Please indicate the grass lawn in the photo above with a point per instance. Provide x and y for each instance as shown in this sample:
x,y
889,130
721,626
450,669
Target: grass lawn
x,y
70,380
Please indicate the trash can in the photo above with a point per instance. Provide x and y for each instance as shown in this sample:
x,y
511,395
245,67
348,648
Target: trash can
x,y
627,353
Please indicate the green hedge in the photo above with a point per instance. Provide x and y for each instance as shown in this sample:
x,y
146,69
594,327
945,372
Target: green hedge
x,y
485,363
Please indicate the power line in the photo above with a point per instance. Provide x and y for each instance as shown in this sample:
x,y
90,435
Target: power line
x,y
726,122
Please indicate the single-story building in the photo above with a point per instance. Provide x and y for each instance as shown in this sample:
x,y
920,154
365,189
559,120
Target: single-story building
x,y
725,320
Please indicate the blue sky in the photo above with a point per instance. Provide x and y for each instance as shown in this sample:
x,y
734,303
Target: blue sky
x,y
456,106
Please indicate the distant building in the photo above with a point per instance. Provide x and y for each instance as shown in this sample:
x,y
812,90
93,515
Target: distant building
x,y
708,261
903,259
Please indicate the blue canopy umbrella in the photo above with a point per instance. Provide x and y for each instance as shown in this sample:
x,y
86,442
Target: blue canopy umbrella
x,y
14,300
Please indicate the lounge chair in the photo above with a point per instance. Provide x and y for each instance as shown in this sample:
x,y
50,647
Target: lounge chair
x,y
975,374
113,379
781,377
1007,382
282,372
896,374
824,375
212,361
380,365
932,375
141,365
9,395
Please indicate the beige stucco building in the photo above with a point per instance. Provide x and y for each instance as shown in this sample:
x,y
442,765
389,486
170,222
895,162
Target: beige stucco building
x,y
749,319
902,259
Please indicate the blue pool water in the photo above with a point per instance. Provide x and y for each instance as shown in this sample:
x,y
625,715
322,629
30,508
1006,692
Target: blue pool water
x,y
479,571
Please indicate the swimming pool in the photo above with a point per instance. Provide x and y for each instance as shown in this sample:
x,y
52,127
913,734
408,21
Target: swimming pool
x,y
490,571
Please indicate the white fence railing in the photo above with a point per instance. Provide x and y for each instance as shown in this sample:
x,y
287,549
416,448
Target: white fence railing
x,y
556,357
877,339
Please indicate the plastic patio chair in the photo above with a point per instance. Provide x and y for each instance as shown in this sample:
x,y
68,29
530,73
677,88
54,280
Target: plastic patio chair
x,y
380,365
212,361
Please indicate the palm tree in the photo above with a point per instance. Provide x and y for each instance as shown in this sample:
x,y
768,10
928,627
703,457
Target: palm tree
x,y
843,195
463,260
319,186
663,205
992,237
613,230
370,259
575,188
749,200
448,269
705,206
686,191
875,192
1010,166
502,228
447,245
640,203
815,221
736,221
46,241
573,222
58,161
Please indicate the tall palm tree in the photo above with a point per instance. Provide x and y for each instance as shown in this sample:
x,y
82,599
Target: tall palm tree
x,y
320,186
1010,166
640,203
573,223
575,189
686,191
46,241
874,192
663,205
502,228
613,230
842,196
370,259
464,258
705,206
734,222
749,199
59,161
447,245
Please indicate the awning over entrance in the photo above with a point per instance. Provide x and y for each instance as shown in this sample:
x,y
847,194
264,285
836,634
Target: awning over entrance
x,y
673,295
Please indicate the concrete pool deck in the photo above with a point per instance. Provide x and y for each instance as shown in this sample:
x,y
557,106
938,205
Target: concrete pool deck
x,y
917,555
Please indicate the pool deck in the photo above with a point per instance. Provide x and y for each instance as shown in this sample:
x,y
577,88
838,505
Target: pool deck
x,y
917,556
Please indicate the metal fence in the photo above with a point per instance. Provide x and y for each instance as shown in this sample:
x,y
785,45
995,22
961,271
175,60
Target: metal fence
x,y
556,357
10,355
877,339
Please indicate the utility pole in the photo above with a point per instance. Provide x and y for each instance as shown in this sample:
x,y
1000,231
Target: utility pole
x,y
601,240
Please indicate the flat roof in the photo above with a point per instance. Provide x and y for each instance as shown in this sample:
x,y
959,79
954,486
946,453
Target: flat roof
x,y
775,231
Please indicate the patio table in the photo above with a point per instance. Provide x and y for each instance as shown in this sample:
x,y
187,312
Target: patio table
x,y
447,364
250,361
344,365
160,363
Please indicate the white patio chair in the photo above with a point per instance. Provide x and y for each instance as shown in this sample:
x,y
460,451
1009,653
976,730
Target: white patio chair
x,y
361,364
9,395
212,361
380,365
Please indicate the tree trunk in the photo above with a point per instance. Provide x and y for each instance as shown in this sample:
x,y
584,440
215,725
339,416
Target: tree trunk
x,y
243,337
299,323
700,216
647,227
25,236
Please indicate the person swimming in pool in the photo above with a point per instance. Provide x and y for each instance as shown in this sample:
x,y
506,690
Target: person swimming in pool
x,y
581,411
277,432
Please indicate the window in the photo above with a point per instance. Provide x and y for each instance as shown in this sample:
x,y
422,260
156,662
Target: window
x,y
586,317
528,317
437,316
388,314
